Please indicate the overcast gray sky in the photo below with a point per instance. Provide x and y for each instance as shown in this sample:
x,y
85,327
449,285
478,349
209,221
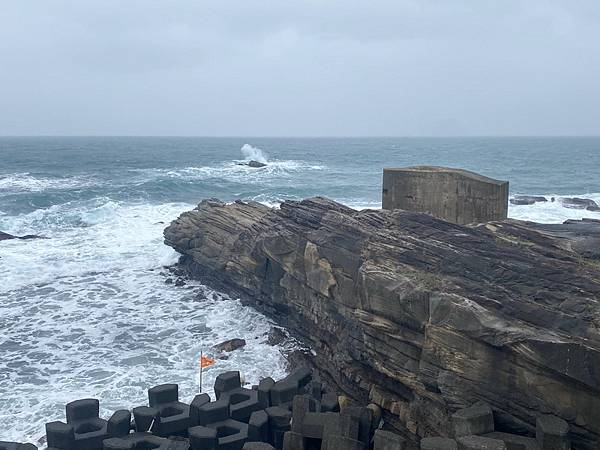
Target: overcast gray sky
x,y
299,67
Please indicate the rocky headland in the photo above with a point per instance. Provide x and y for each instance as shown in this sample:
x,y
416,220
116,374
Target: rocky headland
x,y
418,315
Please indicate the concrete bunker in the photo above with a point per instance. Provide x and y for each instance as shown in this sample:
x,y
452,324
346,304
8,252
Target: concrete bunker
x,y
455,195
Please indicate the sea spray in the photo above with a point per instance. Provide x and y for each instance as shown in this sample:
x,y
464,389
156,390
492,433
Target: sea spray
x,y
253,153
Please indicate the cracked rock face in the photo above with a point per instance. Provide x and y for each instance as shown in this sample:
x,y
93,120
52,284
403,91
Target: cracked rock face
x,y
418,315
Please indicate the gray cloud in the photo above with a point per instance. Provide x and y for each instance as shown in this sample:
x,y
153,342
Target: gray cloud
x,y
250,67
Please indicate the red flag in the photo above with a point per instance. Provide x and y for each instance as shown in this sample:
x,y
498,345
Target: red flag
x,y
205,361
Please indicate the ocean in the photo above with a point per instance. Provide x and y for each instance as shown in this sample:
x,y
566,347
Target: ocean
x,y
87,312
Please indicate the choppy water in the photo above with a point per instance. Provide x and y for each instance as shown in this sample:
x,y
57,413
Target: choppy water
x,y
87,312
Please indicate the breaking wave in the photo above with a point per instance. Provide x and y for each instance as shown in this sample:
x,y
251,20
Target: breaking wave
x,y
253,153
553,211
26,182
87,313
232,171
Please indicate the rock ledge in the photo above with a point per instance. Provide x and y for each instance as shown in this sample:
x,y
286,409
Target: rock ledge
x,y
418,315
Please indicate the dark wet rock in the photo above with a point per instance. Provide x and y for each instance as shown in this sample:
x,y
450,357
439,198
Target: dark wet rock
x,y
253,163
593,208
276,336
580,236
6,236
179,282
578,203
230,345
417,315
256,164
169,281
527,199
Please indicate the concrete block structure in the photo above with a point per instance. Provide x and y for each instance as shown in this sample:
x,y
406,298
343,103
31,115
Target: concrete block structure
x,y
477,419
454,195
303,423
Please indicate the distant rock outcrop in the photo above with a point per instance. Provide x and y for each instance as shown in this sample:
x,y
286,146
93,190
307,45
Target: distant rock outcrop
x,y
527,199
417,315
580,203
253,163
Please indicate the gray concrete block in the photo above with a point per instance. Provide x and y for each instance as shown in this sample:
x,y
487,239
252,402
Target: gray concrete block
x,y
283,391
258,426
329,402
455,195
386,440
342,443
438,443
479,443
552,433
213,412
117,444
514,441
227,381
198,402
477,419
279,418
164,393
312,425
119,423
365,417
264,392
257,446
242,403
231,434
60,435
315,390
293,441
202,438
86,408
301,405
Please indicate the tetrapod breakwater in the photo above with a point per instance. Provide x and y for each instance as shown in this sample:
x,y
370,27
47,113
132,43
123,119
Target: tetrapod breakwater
x,y
298,412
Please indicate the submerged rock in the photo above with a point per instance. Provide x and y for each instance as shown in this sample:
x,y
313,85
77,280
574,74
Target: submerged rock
x,y
230,345
6,236
527,199
417,315
253,163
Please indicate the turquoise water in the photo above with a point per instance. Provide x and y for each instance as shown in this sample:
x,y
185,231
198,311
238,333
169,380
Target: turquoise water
x,y
42,172
87,312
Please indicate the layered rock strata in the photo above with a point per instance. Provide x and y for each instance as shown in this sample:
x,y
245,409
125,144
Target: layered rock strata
x,y
420,316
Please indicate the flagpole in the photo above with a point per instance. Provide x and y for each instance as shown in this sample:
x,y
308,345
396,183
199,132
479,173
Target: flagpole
x,y
200,377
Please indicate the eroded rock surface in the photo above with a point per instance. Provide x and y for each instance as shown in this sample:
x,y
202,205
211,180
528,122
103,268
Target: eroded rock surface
x,y
419,316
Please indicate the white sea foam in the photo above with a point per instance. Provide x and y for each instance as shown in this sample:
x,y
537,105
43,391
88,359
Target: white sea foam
x,y
553,212
233,171
25,182
87,313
